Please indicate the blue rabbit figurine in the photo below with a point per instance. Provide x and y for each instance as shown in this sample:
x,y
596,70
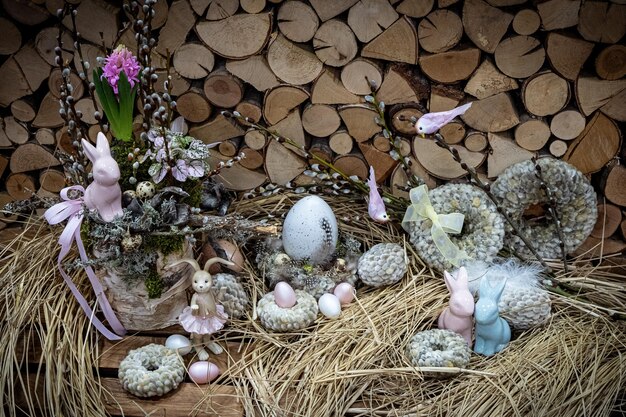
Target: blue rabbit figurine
x,y
492,332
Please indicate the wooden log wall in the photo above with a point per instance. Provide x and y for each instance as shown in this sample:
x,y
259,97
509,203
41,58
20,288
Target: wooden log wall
x,y
545,77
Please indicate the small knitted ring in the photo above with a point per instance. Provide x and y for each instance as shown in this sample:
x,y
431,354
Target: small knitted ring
x,y
438,348
287,319
151,370
482,236
518,188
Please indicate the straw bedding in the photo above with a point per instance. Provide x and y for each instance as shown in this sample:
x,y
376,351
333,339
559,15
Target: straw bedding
x,y
574,365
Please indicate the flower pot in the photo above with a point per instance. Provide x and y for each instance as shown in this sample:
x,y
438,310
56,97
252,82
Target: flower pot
x,y
133,307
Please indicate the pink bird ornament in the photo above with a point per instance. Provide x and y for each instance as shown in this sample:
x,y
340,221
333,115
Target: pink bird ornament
x,y
431,122
376,205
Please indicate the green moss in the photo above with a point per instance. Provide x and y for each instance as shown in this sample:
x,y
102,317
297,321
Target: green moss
x,y
85,235
120,152
154,284
194,188
307,268
163,244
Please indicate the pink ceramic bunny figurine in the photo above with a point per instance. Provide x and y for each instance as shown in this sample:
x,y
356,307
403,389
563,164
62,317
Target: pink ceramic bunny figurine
x,y
104,193
458,316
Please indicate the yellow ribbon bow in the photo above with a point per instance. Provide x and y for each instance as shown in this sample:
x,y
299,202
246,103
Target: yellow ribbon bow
x,y
443,224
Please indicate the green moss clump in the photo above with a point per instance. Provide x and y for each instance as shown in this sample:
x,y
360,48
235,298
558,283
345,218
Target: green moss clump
x,y
164,244
194,189
85,235
154,284
120,153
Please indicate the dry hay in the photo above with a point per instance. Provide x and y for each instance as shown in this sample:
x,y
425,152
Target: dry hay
x,y
355,365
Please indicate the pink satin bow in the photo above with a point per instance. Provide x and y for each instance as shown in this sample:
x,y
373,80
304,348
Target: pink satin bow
x,y
72,209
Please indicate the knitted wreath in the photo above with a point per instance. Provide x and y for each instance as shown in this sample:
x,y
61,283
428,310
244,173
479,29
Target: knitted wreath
x,y
518,188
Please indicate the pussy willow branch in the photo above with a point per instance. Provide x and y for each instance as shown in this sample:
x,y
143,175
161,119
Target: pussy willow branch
x,y
412,180
72,117
145,43
553,210
91,87
485,187
359,185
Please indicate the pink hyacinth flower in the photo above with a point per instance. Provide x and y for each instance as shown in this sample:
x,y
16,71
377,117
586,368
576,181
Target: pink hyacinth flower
x,y
121,59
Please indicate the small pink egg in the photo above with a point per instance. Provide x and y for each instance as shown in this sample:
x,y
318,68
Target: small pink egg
x,y
345,293
203,372
284,295
233,254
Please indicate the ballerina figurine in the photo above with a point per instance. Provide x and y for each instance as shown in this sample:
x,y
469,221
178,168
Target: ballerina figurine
x,y
204,316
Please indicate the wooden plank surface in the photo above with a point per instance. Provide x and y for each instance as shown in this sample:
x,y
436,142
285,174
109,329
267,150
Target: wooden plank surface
x,y
184,401
112,353
178,403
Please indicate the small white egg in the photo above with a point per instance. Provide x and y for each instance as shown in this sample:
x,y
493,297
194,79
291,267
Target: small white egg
x,y
330,306
284,295
345,293
203,372
179,343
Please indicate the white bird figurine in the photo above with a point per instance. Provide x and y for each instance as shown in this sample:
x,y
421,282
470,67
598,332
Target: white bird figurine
x,y
431,122
376,205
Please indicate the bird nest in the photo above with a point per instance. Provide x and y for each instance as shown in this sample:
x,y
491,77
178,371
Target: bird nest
x,y
355,365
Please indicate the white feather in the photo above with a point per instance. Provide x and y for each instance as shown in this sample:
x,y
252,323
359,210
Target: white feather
x,y
517,274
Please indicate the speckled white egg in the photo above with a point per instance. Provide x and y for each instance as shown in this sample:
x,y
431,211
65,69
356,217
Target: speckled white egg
x,y
310,230
344,292
203,372
179,343
145,189
284,295
329,306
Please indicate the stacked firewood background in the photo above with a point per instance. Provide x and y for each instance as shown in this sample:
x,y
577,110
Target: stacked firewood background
x,y
545,77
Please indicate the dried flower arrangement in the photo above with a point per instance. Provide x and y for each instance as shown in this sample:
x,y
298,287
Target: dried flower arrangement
x,y
155,214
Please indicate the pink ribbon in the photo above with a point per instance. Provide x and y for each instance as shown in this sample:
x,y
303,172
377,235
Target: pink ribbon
x,y
72,209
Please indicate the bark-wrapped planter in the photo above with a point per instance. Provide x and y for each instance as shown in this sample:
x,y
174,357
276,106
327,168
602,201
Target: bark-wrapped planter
x,y
132,305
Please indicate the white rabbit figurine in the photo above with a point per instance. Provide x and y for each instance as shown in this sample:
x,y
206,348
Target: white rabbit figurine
x,y
458,316
104,193
492,332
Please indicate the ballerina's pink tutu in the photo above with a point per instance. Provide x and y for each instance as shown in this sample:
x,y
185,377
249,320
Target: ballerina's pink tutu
x,y
203,325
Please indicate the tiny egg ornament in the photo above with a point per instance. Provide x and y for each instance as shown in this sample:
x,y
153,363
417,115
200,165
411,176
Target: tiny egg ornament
x,y
145,189
203,372
329,306
344,292
284,295
179,343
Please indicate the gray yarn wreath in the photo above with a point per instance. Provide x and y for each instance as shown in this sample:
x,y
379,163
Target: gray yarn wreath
x,y
151,370
287,319
438,348
518,187
482,236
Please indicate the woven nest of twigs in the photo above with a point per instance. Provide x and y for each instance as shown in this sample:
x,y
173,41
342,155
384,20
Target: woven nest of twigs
x,y
356,365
